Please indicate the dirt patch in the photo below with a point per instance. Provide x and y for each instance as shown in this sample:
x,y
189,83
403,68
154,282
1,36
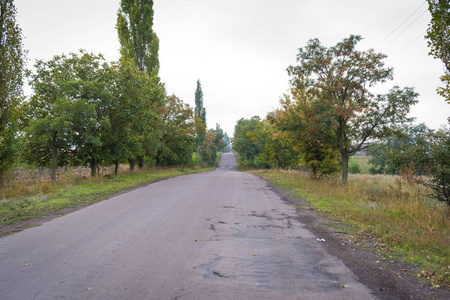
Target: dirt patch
x,y
6,229
387,279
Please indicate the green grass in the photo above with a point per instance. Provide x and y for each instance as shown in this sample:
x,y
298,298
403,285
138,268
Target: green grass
x,y
409,226
46,198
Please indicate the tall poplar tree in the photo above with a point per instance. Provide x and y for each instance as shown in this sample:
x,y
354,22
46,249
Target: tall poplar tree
x,y
137,39
139,42
12,63
199,109
200,113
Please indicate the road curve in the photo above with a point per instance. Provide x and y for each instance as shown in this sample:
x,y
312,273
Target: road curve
x,y
218,235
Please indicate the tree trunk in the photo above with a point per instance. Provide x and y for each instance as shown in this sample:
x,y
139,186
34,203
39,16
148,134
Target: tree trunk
x,y
345,158
94,165
54,159
132,164
140,162
116,168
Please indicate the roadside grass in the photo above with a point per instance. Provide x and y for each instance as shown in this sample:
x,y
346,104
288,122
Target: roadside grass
x,y
23,201
393,218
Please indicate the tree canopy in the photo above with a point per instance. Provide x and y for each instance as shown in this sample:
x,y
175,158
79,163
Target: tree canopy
x,y
439,40
336,81
12,67
137,39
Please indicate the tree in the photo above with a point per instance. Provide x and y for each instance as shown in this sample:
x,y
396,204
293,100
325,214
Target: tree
x,y
145,96
91,99
68,113
132,112
440,165
310,145
439,40
227,142
12,64
219,139
200,113
209,149
137,39
390,154
278,143
337,80
48,115
177,133
429,156
139,42
246,147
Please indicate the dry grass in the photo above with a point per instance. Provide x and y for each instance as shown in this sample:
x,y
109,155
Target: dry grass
x,y
397,213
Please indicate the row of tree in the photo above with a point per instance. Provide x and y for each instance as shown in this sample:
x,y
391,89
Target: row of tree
x,y
330,115
87,111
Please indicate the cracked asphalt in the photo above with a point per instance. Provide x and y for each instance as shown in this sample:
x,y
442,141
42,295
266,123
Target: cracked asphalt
x,y
218,235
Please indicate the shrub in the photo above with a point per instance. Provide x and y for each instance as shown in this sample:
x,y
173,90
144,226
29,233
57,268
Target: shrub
x,y
354,168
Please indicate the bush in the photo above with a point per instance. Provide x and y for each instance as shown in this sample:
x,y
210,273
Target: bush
x,y
354,168
196,159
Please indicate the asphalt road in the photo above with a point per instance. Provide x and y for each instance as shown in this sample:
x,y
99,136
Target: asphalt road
x,y
218,235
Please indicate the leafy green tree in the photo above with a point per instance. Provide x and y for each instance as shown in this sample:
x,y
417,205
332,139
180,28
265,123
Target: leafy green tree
x,y
132,110
137,39
144,97
200,113
68,114
177,133
439,40
219,139
12,64
298,118
227,142
429,156
139,42
209,149
390,154
91,98
246,146
337,80
278,143
48,115
440,165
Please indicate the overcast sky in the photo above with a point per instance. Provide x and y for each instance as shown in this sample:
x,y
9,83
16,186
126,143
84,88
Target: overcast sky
x,y
240,49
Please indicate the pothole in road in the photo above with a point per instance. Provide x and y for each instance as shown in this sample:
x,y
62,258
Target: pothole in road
x,y
218,274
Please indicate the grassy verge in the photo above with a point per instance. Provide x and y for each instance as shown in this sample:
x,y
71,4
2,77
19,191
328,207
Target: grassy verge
x,y
400,222
44,198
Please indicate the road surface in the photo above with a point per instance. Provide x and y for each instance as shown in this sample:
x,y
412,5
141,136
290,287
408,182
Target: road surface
x,y
218,235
